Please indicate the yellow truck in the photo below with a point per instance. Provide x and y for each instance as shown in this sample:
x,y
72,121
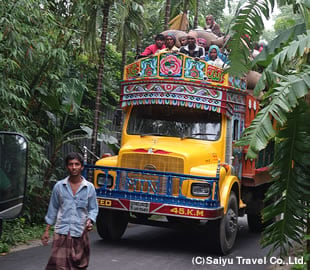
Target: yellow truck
x,y
177,165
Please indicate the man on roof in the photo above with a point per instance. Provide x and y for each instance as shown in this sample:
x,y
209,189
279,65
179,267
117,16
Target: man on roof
x,y
192,49
213,26
154,48
183,40
170,41
202,43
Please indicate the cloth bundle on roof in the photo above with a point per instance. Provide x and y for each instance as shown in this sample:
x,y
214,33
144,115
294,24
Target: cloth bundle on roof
x,y
180,22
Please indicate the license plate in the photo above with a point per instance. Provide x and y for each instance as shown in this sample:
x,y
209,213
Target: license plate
x,y
141,207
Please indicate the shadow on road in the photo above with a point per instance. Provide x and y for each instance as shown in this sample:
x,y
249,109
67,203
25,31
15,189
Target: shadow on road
x,y
180,241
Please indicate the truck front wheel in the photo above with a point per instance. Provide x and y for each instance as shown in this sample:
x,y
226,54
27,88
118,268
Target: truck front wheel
x,y
111,224
223,232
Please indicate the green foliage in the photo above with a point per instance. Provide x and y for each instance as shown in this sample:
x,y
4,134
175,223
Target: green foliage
x,y
284,23
284,60
276,45
216,9
17,232
287,19
246,28
291,168
285,82
283,99
47,85
129,22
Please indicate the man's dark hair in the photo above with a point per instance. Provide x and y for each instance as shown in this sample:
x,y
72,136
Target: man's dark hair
x,y
159,37
74,155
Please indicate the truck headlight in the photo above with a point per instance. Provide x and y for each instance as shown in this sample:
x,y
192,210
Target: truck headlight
x,y
103,179
200,189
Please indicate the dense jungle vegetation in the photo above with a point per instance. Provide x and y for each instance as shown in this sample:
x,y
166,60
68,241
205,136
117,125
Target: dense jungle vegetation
x,y
61,63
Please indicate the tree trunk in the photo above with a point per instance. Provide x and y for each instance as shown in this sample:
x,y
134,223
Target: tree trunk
x,y
124,58
167,14
106,9
139,46
185,8
196,15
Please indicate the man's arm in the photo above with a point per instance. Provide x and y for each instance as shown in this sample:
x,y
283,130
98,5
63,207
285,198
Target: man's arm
x,y
216,29
45,236
92,207
51,215
147,51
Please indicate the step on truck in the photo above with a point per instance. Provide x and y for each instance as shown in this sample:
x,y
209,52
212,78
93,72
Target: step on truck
x,y
177,164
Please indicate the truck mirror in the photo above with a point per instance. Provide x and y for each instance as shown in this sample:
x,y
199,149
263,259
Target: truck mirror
x,y
13,174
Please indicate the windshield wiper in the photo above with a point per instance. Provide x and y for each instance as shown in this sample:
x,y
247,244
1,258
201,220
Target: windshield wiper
x,y
197,134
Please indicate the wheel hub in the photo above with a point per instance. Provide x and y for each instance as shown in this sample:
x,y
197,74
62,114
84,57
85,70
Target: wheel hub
x,y
231,222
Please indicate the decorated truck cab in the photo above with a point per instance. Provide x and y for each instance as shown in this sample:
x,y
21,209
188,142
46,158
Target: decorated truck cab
x,y
177,164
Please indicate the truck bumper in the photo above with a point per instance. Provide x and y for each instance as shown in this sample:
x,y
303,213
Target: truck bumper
x,y
154,208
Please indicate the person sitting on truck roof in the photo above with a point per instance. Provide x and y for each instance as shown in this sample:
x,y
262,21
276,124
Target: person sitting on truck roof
x,y
154,48
214,58
170,41
183,40
203,43
192,49
213,26
222,56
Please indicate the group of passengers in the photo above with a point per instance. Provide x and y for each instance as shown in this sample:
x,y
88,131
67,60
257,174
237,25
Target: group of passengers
x,y
190,45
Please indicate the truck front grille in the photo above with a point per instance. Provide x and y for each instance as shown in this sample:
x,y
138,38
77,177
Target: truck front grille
x,y
159,163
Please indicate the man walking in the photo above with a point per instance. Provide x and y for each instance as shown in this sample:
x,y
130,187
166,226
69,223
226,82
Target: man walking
x,y
73,209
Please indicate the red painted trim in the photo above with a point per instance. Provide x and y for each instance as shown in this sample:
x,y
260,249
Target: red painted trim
x,y
263,169
164,209
141,150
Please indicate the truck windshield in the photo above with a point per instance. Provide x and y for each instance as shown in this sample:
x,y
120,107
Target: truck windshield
x,y
173,121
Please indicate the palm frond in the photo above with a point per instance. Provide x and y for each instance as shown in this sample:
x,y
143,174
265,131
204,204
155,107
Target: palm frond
x,y
291,185
296,49
129,22
284,98
245,29
267,54
89,22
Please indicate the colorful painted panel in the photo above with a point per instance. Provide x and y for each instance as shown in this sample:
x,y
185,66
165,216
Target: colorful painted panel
x,y
170,65
194,69
173,94
149,67
132,70
175,65
215,74
237,82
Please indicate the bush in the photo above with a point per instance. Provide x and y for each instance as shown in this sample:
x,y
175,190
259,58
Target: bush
x,y
17,231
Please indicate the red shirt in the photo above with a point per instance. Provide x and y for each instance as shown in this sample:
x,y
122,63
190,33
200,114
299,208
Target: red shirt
x,y
152,49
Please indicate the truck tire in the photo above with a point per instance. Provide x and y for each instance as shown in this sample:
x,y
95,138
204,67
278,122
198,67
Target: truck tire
x,y
111,224
255,222
223,232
